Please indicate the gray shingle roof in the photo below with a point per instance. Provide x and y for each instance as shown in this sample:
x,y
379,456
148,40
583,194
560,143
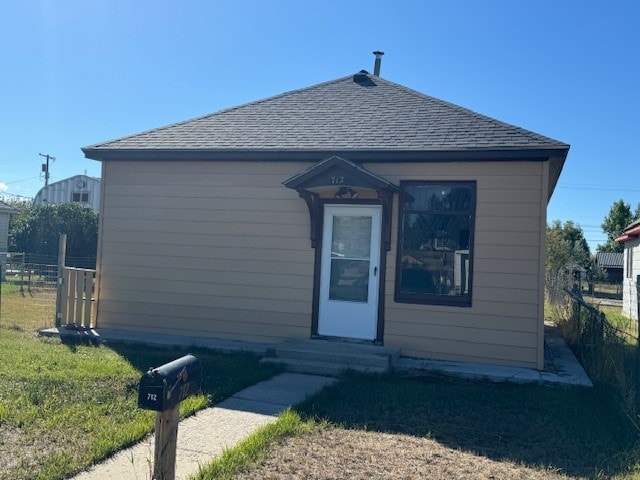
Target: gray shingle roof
x,y
633,224
372,115
609,259
4,207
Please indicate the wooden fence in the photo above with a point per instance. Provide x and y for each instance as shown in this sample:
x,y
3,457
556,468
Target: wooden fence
x,y
76,298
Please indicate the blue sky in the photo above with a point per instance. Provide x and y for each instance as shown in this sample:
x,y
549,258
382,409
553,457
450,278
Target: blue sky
x,y
76,73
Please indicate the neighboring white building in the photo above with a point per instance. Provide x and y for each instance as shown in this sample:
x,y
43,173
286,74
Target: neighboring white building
x,y
78,189
5,212
631,269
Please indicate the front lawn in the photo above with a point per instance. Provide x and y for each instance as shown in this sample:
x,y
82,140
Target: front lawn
x,y
63,407
575,430
437,427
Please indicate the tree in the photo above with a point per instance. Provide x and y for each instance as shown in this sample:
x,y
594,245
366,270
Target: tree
x,y
615,222
22,208
567,249
37,230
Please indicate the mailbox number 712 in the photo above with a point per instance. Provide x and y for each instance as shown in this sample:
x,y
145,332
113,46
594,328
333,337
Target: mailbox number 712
x,y
152,397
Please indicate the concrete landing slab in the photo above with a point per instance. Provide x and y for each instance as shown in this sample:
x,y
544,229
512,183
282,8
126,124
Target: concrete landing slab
x,y
562,368
206,434
330,347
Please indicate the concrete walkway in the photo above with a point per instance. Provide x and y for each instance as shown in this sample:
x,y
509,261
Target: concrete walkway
x,y
205,435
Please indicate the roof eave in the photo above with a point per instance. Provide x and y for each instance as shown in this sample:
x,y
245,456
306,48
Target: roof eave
x,y
629,233
364,155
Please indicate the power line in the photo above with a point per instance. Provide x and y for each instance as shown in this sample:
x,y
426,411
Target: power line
x,y
5,161
22,180
575,186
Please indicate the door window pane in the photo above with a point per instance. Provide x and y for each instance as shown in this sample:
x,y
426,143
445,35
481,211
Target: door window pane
x,y
351,237
349,280
350,258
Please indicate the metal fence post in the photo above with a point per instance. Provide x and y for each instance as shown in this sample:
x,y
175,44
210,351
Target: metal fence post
x,y
22,267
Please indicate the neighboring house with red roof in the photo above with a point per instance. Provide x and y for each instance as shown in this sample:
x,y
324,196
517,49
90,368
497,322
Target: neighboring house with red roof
x,y
354,209
631,264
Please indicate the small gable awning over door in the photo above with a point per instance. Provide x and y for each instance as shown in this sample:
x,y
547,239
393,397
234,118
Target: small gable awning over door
x,y
341,174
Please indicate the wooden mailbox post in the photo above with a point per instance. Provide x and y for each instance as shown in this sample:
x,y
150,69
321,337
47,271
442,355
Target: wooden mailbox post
x,y
162,389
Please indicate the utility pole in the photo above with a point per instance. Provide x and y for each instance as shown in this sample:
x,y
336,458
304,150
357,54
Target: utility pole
x,y
45,167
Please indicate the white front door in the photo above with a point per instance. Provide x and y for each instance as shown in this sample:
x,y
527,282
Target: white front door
x,y
349,276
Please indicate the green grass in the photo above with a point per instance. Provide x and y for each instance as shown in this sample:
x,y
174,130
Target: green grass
x,y
619,320
10,287
63,407
27,308
256,446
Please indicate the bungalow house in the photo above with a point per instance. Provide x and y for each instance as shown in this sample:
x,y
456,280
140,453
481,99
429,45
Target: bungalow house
x,y
631,276
356,209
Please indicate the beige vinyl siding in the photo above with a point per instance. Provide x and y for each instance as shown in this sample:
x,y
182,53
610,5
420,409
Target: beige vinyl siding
x,y
209,249
503,324
221,249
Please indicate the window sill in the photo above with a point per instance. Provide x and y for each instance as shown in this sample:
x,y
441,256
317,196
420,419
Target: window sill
x,y
434,300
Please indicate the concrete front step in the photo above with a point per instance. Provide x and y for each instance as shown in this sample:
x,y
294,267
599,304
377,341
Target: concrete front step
x,y
331,357
314,367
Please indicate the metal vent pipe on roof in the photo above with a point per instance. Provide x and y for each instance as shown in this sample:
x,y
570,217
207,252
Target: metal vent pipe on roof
x,y
376,67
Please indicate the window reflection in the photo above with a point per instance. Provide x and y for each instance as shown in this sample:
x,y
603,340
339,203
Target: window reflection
x,y
434,247
350,255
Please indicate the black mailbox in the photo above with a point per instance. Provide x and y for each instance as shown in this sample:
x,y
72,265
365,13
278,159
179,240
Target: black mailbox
x,y
164,387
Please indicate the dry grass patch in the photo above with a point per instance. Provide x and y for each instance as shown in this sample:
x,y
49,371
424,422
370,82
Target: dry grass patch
x,y
339,454
385,426
574,431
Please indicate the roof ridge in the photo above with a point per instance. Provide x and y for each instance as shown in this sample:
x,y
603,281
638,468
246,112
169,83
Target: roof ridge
x,y
492,120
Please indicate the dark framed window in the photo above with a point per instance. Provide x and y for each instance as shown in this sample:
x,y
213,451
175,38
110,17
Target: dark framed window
x,y
435,243
80,197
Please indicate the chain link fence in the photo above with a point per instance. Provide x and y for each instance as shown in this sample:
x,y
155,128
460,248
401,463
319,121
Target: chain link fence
x,y
28,289
609,352
28,292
